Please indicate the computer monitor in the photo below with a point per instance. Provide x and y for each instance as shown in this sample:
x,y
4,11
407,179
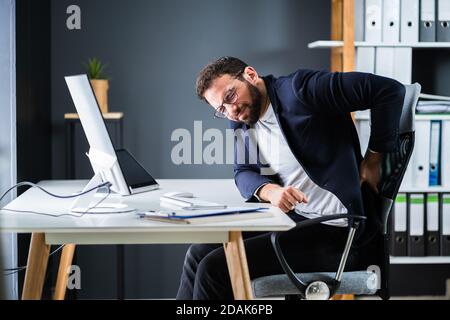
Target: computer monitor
x,y
118,167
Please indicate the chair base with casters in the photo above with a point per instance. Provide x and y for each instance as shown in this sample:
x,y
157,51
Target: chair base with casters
x,y
324,285
313,286
355,282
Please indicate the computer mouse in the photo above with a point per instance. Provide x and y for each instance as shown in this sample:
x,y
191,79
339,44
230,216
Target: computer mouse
x,y
181,194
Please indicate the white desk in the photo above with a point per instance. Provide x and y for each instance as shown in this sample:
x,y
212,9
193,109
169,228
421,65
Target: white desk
x,y
128,229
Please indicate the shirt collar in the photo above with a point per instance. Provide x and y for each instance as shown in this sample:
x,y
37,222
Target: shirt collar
x,y
268,116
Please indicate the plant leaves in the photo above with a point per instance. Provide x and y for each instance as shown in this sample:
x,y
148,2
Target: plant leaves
x,y
95,68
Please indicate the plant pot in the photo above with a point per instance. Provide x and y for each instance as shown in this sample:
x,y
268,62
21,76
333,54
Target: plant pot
x,y
101,93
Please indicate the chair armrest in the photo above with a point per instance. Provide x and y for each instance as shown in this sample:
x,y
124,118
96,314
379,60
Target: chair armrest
x,y
311,222
303,224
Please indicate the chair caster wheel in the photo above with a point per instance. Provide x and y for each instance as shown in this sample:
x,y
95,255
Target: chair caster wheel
x,y
317,290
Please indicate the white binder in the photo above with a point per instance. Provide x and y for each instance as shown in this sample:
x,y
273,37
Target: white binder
x,y
435,147
359,20
409,21
391,21
432,229
365,59
416,215
433,212
443,21
445,226
421,160
416,244
445,154
403,65
400,229
384,65
400,218
446,216
373,21
427,28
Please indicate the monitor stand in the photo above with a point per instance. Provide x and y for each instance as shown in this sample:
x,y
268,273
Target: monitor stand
x,y
90,204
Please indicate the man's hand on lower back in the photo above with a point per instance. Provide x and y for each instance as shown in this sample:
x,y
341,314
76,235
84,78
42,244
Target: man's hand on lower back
x,y
285,198
370,169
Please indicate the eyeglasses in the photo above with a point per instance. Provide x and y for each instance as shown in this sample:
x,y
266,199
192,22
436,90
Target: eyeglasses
x,y
231,97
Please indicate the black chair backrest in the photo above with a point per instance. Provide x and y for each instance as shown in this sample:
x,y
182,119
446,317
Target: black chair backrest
x,y
378,206
392,172
395,163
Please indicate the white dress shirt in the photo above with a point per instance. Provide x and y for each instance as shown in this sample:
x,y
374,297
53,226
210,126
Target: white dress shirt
x,y
274,150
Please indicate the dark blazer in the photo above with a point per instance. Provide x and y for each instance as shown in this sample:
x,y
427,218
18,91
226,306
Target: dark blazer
x,y
313,111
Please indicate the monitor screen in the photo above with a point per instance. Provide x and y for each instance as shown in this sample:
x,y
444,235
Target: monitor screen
x,y
135,175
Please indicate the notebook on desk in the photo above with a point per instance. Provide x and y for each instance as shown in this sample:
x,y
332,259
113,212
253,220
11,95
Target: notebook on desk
x,y
206,216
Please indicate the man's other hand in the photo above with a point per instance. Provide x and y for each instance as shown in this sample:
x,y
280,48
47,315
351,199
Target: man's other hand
x,y
285,198
370,169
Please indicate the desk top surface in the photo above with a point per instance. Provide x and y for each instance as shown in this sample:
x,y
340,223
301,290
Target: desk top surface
x,y
222,191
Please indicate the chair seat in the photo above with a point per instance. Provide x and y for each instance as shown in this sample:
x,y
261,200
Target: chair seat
x,y
355,282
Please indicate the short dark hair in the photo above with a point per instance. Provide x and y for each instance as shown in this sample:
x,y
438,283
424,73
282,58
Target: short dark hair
x,y
225,65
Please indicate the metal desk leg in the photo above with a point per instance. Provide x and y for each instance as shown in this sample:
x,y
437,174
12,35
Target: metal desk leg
x,y
36,267
64,263
237,266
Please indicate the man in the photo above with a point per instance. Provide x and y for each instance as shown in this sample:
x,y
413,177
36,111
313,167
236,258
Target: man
x,y
318,169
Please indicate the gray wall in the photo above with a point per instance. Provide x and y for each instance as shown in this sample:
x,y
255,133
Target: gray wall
x,y
8,248
155,50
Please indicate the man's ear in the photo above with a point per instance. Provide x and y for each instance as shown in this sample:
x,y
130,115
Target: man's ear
x,y
250,75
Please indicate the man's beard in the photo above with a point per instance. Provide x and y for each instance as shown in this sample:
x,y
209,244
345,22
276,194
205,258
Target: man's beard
x,y
255,106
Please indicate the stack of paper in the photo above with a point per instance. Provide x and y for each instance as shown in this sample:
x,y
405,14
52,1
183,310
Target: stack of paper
x,y
206,216
433,106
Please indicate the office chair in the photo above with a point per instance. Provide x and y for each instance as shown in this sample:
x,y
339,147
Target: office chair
x,y
375,279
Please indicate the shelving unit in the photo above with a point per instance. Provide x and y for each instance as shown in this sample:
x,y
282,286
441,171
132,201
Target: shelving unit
x,y
425,190
343,57
419,117
420,260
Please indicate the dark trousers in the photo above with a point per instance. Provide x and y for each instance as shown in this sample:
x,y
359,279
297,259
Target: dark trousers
x,y
313,249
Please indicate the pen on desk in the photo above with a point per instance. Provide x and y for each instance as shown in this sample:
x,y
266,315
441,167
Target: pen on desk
x,y
142,214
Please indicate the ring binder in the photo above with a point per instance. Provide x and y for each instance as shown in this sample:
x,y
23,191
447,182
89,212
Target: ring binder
x,y
416,225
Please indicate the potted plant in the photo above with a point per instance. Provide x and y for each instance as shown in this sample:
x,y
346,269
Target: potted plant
x,y
100,83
